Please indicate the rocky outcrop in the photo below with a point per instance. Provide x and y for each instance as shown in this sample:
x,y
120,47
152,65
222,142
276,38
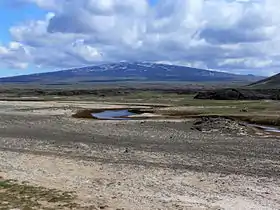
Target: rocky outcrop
x,y
239,94
220,125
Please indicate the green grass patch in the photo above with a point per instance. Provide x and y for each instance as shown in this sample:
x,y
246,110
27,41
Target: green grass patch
x,y
27,197
255,112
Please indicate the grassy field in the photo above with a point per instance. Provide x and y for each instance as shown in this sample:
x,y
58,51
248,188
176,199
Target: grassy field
x,y
264,112
180,103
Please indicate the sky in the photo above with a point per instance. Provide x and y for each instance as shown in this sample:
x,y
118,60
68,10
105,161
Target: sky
x,y
237,36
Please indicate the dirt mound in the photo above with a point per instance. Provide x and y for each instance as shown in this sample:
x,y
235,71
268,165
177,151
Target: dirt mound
x,y
220,125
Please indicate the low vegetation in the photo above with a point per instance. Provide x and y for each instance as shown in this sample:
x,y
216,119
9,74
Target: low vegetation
x,y
255,112
170,101
265,112
14,195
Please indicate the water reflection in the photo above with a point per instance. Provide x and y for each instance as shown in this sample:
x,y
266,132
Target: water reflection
x,y
267,128
113,115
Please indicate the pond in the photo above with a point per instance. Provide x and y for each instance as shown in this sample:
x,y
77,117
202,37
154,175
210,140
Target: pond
x,y
267,128
113,115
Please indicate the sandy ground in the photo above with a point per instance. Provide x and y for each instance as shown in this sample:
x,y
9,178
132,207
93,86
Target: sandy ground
x,y
136,164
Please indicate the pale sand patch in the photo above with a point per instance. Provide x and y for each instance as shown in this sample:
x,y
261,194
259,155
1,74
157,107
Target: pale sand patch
x,y
138,187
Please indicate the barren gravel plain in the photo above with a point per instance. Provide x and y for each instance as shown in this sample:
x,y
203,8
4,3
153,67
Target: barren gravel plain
x,y
134,164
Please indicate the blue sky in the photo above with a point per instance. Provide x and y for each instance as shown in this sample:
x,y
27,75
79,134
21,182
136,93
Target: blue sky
x,y
45,35
10,16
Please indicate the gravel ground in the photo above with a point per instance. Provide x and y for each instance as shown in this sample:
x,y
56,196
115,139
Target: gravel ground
x,y
134,164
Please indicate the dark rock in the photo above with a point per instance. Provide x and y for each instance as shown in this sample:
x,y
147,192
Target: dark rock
x,y
220,125
103,206
239,94
244,110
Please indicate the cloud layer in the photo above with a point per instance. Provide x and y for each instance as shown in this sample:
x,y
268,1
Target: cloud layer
x,y
234,35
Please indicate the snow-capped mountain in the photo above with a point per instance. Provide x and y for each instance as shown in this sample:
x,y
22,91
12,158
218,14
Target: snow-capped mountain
x,y
124,71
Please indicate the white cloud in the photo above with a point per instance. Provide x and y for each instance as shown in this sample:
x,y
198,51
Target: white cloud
x,y
246,63
86,52
15,55
237,35
54,5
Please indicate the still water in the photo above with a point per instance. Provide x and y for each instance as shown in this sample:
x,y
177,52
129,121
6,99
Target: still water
x,y
113,115
267,128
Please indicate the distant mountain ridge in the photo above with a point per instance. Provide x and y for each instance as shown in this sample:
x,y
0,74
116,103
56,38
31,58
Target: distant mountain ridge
x,y
124,71
267,83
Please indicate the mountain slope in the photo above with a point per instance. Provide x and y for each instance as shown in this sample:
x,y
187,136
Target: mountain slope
x,y
129,72
268,83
